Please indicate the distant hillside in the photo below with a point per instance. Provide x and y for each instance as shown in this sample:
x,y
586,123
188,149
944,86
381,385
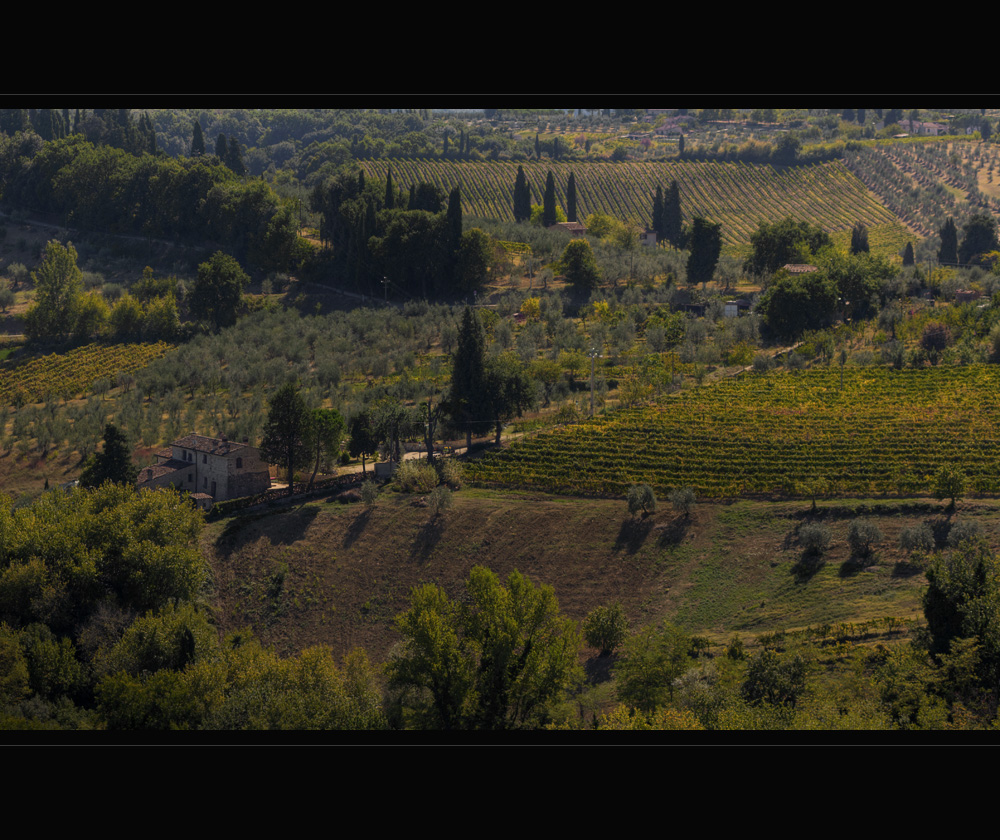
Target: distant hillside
x,y
739,195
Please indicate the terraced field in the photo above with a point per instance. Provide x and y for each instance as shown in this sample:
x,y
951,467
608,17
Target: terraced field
x,y
739,195
885,432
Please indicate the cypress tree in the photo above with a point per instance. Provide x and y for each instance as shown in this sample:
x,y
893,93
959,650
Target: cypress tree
x,y
908,254
658,212
549,202
234,157
672,219
538,147
390,193
468,376
571,199
948,254
455,218
522,197
412,201
221,147
198,141
859,238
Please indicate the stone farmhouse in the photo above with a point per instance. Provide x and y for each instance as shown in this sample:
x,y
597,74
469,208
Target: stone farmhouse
x,y
210,469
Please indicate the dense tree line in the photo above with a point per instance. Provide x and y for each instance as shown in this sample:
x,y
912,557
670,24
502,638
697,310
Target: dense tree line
x,y
108,189
384,243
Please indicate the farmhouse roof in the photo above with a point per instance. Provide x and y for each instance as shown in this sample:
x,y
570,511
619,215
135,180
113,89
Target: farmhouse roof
x,y
213,446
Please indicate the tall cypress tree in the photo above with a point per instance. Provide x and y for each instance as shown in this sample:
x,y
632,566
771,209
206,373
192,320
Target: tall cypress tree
x,y
658,212
571,199
522,197
454,222
197,141
672,219
859,238
948,254
549,202
390,193
221,147
467,403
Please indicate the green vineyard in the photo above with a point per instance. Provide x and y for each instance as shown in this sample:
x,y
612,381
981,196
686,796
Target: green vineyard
x,y
739,195
885,432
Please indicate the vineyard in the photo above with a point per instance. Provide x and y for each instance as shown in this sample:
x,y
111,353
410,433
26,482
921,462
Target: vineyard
x,y
739,195
885,432
67,375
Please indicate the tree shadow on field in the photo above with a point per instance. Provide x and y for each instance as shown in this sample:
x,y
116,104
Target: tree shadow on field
x,y
674,531
633,534
357,526
856,564
427,538
289,529
808,564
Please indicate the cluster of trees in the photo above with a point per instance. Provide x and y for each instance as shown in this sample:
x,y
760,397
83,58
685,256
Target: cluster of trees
x,y
667,220
191,200
297,436
62,310
485,390
978,243
381,241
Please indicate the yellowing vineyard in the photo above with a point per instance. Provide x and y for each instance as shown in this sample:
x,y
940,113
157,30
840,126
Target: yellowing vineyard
x,y
739,195
887,432
66,375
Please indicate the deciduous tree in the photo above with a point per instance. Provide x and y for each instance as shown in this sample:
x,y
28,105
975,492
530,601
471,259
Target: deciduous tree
x,y
218,290
497,659
58,293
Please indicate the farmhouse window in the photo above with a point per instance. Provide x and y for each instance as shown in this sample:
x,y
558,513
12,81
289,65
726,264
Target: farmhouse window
x,y
239,463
